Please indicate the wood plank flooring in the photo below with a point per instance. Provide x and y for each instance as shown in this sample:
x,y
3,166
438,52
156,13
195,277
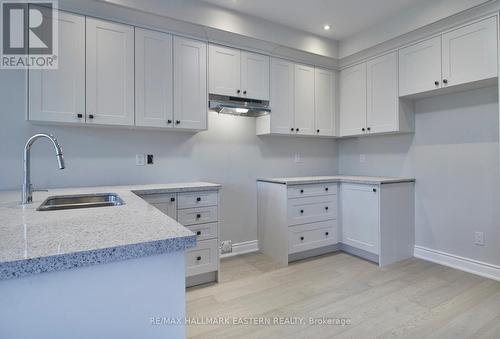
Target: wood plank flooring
x,y
411,299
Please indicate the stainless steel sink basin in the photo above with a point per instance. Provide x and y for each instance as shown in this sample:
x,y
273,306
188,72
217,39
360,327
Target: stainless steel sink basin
x,y
65,202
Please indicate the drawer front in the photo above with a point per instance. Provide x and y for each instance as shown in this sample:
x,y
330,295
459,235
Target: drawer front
x,y
203,258
167,203
296,191
312,209
198,199
205,231
199,215
310,236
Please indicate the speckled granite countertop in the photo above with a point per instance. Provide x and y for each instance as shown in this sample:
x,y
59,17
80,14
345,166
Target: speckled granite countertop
x,y
33,242
336,178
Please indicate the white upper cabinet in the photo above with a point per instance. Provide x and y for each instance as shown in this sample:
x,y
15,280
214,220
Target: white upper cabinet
x,y
324,102
153,79
190,79
255,75
420,67
237,73
304,100
224,70
282,96
353,100
110,73
59,95
470,53
382,112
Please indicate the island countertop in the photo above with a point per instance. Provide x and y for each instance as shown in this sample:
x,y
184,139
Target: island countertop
x,y
336,178
33,242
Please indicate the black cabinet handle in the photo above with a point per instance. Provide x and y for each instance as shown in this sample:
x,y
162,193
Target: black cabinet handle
x,y
368,129
198,258
172,199
198,216
169,121
374,190
326,233
301,238
244,92
198,233
238,91
326,208
297,129
445,81
198,199
436,83
301,191
326,189
363,129
291,129
317,130
91,116
177,122
79,115
301,211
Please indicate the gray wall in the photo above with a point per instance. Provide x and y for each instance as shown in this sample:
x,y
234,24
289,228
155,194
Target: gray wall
x,y
454,156
228,153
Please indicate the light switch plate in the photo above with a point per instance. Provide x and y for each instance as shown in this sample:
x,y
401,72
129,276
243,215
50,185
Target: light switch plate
x,y
140,159
479,238
362,158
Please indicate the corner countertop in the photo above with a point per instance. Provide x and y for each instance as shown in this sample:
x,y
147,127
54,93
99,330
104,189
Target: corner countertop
x,y
33,242
336,178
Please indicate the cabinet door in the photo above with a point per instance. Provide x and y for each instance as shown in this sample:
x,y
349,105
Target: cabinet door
x,y
282,80
470,53
353,100
224,70
304,100
153,79
254,76
382,94
190,84
324,102
59,95
420,67
360,216
110,73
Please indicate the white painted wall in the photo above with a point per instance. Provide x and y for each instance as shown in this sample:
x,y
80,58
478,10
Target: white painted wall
x,y
228,153
454,155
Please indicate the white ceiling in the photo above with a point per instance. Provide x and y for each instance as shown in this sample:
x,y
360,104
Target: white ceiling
x,y
347,17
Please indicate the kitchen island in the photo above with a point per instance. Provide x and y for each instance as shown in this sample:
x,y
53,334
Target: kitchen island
x,y
103,272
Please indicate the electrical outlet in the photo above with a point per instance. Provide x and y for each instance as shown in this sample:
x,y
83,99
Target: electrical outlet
x,y
226,246
140,159
298,159
362,158
150,159
479,238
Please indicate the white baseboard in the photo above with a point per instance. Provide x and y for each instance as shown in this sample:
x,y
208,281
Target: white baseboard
x,y
460,263
242,248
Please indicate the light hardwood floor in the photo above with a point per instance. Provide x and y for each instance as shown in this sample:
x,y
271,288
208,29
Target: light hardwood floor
x,y
411,299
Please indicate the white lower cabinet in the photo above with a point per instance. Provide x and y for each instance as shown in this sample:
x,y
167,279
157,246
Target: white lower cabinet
x,y
198,211
373,221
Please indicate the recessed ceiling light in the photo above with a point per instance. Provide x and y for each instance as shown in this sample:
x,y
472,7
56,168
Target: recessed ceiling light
x,y
327,27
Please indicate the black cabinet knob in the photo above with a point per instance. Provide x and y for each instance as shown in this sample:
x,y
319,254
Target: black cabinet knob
x,y
198,258
363,129
79,115
301,191
317,130
326,208
169,121
326,233
301,211
301,238
198,233
368,129
198,199
296,129
172,199
291,129
198,216
177,122
244,92
374,190
445,81
326,189
91,116
436,83
238,91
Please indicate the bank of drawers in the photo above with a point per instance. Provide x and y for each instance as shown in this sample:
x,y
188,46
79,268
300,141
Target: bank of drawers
x,y
199,212
312,216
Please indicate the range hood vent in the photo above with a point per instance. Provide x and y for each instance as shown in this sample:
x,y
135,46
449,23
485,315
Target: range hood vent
x,y
238,106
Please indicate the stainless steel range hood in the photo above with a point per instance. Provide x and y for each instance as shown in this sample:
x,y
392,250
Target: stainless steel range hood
x,y
238,106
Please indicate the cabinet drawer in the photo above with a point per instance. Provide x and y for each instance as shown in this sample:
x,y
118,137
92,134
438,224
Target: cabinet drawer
x,y
197,199
205,231
312,209
203,258
296,191
199,215
311,236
